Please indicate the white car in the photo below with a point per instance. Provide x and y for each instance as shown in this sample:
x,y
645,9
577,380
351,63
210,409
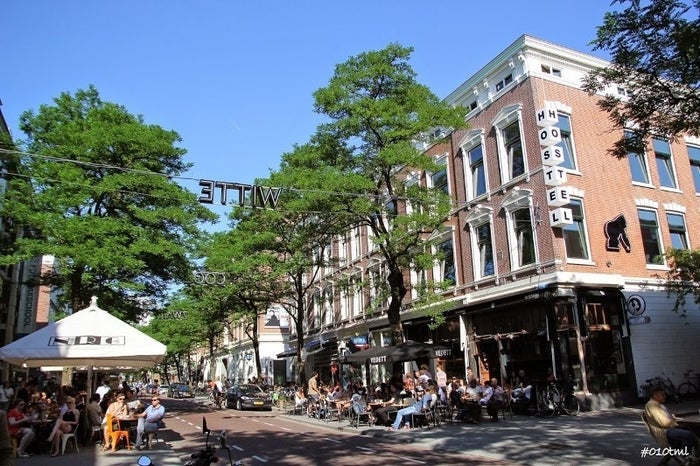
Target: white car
x,y
163,390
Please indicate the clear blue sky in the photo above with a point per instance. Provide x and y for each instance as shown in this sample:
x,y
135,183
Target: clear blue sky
x,y
235,78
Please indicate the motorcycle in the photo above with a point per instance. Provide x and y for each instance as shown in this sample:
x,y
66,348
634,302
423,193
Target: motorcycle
x,y
206,455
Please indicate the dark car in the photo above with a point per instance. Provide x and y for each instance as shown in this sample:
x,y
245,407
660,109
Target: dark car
x,y
248,396
180,390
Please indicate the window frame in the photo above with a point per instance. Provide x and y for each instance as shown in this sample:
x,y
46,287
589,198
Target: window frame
x,y
677,232
479,217
445,187
470,142
579,226
646,241
567,143
506,117
665,168
516,201
694,165
642,166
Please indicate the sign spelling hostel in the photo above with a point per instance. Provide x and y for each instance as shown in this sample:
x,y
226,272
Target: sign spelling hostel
x,y
552,156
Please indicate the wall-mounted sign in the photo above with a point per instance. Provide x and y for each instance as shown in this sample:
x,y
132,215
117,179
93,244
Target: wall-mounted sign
x,y
616,234
641,320
553,155
636,305
246,194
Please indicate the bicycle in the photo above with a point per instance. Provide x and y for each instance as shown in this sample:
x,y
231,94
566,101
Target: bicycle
x,y
688,390
551,401
217,399
660,381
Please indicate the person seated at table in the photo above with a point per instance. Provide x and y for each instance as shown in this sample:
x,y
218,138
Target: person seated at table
x,y
417,408
470,402
523,388
496,401
486,392
385,404
20,427
66,424
119,410
94,410
664,425
149,419
300,399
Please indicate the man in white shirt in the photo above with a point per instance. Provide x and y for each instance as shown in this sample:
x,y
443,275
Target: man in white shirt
x,y
102,390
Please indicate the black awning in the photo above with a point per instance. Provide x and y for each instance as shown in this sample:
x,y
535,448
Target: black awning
x,y
287,354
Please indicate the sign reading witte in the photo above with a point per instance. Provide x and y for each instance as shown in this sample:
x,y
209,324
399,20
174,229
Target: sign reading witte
x,y
250,195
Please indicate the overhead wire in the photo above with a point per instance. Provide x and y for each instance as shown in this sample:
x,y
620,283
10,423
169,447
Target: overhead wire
x,y
182,178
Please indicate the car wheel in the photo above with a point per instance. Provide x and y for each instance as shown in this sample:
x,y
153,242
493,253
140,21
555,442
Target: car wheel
x,y
239,405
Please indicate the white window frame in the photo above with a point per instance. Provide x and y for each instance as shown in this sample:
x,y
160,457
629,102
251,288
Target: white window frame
x,y
504,118
442,159
576,194
668,163
515,200
439,266
478,217
674,210
653,209
471,141
643,158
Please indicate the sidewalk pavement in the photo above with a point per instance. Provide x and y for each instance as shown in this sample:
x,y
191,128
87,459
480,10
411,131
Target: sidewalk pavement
x,y
605,437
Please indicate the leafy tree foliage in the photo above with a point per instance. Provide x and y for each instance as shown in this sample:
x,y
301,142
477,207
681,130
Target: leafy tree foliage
x,y
654,50
376,112
94,189
683,277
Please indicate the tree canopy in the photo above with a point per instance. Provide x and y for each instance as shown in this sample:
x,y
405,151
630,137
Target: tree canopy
x,y
654,48
377,112
94,188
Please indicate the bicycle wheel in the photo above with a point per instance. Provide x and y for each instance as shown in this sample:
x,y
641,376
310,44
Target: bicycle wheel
x,y
571,405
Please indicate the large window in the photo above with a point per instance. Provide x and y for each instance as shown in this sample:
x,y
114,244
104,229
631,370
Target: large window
x,y
676,226
477,171
446,270
694,155
438,180
651,238
524,238
574,233
485,250
664,162
638,166
513,145
566,144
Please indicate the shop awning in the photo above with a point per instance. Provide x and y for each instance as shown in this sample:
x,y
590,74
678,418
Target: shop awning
x,y
287,354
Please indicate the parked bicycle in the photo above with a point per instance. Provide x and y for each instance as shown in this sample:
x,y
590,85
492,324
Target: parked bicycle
x,y
552,400
689,390
660,381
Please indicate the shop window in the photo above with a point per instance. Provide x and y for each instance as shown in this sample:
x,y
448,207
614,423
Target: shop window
x,y
596,317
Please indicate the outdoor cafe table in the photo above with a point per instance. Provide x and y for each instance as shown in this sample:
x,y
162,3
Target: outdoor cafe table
x,y
692,423
42,430
128,424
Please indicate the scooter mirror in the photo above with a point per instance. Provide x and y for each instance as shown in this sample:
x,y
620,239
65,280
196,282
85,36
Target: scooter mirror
x,y
205,429
222,439
144,461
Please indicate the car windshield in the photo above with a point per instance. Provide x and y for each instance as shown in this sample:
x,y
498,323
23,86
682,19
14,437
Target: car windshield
x,y
251,390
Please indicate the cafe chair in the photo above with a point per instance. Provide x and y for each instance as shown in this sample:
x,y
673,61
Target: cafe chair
x,y
359,415
114,436
64,441
661,440
427,416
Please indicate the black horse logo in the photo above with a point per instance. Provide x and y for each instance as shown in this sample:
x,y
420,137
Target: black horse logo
x,y
616,234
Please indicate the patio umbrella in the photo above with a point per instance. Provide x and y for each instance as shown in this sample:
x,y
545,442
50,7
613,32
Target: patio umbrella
x,y
90,338
406,351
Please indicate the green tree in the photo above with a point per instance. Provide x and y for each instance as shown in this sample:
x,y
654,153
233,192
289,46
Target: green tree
x,y
654,50
377,112
95,190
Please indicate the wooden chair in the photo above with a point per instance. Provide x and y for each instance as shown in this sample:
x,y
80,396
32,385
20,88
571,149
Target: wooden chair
x,y
114,436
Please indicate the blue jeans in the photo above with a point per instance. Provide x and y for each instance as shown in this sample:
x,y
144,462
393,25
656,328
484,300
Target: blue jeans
x,y
685,437
403,412
144,426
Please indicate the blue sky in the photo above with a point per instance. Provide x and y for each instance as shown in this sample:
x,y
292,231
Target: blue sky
x,y
235,78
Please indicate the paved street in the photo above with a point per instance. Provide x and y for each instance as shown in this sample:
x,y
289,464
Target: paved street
x,y
613,437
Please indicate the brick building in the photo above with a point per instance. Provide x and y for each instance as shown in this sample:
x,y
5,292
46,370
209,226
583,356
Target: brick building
x,y
555,247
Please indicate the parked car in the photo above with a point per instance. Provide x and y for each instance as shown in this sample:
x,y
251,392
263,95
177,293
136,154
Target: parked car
x,y
248,396
163,390
180,390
